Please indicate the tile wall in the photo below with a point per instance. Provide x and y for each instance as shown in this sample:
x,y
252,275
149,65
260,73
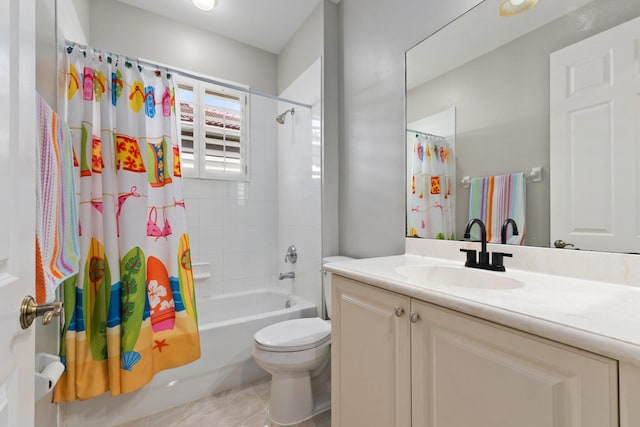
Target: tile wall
x,y
233,226
240,231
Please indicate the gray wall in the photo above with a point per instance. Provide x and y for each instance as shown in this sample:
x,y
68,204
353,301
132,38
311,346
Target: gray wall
x,y
46,50
82,8
302,49
330,133
374,37
318,37
115,25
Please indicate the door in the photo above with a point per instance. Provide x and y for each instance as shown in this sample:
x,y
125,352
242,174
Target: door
x,y
17,207
594,135
370,351
469,372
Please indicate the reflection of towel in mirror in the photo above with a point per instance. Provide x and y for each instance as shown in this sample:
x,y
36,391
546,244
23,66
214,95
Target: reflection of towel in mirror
x,y
57,249
493,199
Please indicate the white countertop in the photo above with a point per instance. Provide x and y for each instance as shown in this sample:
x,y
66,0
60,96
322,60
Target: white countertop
x,y
600,317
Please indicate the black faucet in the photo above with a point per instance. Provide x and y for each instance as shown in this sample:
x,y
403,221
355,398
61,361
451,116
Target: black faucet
x,y
483,257
505,225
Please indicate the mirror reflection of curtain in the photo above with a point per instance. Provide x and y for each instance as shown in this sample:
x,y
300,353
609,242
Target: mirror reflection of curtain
x,y
431,215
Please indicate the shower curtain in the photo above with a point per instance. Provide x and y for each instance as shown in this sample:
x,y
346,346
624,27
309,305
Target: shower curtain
x,y
130,311
431,215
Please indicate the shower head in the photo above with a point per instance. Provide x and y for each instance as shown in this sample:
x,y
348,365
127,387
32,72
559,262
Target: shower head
x,y
281,117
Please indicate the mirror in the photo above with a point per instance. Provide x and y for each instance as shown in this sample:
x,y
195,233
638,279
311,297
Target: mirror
x,y
552,92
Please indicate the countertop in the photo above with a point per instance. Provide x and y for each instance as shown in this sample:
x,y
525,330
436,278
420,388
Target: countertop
x,y
600,317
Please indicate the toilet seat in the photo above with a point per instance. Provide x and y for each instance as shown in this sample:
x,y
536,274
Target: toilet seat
x,y
294,335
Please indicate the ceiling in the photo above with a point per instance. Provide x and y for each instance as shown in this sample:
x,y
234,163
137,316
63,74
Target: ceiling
x,y
265,24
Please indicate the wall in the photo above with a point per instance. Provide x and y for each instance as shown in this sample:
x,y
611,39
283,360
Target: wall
x,y
83,12
233,225
330,132
318,37
46,50
299,185
374,37
302,49
160,39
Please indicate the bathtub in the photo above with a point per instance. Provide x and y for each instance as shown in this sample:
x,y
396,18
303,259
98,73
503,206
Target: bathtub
x,y
227,324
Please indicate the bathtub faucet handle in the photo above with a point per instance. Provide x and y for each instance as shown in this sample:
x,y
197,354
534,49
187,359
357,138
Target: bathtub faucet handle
x,y
292,255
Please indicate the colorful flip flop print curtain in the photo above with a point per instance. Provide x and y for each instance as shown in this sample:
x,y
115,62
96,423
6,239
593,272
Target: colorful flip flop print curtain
x,y
130,312
431,215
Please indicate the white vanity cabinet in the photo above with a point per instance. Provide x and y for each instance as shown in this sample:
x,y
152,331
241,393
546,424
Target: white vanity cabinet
x,y
370,356
398,361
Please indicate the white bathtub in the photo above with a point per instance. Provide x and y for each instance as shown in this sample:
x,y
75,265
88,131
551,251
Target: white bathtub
x,y
227,324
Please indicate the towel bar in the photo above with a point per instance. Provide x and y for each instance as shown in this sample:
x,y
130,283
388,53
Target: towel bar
x,y
535,175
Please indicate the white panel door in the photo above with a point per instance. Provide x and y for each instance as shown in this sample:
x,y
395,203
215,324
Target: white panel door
x,y
594,131
468,372
370,357
17,208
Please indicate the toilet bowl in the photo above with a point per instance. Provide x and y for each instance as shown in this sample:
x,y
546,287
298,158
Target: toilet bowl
x,y
297,354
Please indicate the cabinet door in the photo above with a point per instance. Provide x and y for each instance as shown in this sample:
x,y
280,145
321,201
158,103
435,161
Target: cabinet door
x,y
370,351
468,372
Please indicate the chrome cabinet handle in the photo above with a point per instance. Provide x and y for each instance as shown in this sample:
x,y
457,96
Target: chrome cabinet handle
x,y
399,311
414,317
29,310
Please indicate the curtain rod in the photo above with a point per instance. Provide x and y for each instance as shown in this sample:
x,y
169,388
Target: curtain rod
x,y
424,133
71,44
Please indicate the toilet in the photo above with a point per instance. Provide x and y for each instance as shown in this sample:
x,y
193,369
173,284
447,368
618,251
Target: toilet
x,y
297,354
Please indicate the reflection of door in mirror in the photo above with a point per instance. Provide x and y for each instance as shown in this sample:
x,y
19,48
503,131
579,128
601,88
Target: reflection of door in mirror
x,y
431,176
594,124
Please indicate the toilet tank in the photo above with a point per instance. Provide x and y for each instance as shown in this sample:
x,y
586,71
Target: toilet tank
x,y
326,280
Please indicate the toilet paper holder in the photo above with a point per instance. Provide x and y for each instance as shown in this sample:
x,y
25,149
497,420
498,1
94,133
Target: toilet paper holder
x,y
48,370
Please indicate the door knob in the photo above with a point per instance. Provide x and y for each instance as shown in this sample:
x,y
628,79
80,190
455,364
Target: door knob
x,y
29,310
561,244
414,317
399,311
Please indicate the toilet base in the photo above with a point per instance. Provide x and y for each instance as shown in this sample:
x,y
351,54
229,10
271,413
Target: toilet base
x,y
298,396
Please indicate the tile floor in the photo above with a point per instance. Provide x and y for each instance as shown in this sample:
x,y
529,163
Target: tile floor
x,y
239,407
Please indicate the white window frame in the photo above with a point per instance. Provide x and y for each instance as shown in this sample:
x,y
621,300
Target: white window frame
x,y
200,169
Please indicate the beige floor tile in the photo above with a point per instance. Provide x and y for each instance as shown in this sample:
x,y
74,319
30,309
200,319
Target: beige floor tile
x,y
239,407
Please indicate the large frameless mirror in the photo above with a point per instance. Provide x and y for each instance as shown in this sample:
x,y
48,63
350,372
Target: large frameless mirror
x,y
533,116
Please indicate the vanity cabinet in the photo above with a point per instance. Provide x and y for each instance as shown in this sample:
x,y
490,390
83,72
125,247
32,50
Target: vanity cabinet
x,y
370,356
398,361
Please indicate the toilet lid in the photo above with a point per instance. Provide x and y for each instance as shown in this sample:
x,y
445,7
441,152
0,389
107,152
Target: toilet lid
x,y
294,335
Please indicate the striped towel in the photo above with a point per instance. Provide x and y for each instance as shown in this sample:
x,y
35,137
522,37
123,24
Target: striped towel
x,y
493,199
57,234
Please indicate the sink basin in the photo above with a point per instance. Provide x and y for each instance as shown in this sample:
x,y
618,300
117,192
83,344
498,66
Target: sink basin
x,y
430,275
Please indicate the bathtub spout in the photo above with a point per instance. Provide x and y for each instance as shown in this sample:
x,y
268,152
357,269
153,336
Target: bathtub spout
x,y
289,275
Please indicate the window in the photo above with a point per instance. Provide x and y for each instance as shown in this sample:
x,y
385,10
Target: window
x,y
213,130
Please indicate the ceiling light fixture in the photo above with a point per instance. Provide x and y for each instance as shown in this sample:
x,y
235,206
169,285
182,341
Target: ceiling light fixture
x,y
513,7
205,4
